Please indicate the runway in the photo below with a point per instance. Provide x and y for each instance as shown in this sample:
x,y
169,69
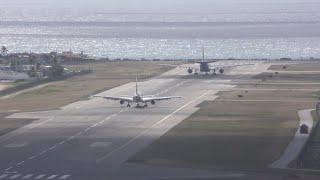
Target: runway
x,y
92,139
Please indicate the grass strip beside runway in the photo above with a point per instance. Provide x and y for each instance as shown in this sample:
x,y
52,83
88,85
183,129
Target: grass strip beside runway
x,y
232,134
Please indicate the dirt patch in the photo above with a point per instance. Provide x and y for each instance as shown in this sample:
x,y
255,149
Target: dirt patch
x,y
5,86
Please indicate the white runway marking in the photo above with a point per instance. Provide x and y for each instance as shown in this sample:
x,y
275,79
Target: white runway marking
x,y
27,176
142,133
40,176
183,107
65,176
72,137
16,145
62,142
166,90
33,176
9,168
52,176
15,176
31,157
53,147
43,152
18,164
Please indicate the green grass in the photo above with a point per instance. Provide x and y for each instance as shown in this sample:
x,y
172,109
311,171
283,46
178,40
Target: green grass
x,y
316,135
241,135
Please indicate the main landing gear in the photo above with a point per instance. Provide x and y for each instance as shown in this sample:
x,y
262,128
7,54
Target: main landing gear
x,y
214,72
144,106
128,105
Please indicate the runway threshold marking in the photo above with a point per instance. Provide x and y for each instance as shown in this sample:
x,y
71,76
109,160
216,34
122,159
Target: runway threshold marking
x,y
64,141
159,122
27,176
15,176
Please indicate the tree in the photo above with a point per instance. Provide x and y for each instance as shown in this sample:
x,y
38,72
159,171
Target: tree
x,y
53,57
55,72
4,51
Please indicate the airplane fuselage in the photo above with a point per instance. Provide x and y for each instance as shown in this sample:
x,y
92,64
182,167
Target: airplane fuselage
x,y
137,99
204,67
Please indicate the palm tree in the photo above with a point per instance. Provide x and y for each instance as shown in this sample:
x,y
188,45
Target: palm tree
x,y
4,51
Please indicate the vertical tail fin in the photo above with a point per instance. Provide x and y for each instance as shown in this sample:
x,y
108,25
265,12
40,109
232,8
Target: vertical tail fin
x,y
136,85
202,53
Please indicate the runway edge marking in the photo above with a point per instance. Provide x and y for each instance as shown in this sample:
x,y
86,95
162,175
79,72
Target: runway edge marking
x,y
74,136
142,133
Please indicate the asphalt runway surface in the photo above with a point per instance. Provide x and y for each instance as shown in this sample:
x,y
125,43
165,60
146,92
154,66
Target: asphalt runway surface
x,y
92,139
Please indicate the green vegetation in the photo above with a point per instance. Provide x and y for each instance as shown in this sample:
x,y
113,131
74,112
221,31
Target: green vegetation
x,y
106,75
55,72
316,130
247,132
227,135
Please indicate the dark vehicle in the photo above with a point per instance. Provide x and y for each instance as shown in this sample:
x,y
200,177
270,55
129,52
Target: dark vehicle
x,y
304,129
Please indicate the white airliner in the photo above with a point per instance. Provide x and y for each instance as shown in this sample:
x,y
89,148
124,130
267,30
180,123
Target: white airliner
x,y
206,67
138,98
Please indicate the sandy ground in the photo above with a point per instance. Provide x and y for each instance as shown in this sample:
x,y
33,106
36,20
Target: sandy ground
x,y
4,86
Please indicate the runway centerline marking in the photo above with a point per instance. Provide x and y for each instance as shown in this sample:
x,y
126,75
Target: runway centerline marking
x,y
31,157
18,164
142,133
9,168
72,137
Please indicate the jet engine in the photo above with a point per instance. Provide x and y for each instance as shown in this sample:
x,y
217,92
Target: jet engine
x,y
221,71
122,102
153,102
190,71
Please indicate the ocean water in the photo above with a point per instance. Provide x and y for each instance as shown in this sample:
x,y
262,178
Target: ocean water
x,y
164,29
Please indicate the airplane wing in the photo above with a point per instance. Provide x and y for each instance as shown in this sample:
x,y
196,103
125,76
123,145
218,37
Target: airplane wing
x,y
149,99
182,66
228,66
126,99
